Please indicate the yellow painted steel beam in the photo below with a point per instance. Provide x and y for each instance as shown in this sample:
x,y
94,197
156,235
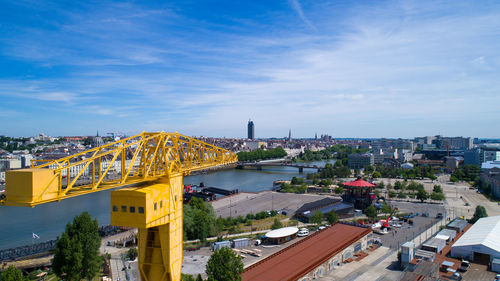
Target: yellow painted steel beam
x,y
154,155
153,205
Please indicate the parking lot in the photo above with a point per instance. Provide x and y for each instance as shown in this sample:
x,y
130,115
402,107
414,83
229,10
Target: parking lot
x,y
399,235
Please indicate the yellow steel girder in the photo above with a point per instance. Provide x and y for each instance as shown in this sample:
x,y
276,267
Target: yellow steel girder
x,y
159,160
137,159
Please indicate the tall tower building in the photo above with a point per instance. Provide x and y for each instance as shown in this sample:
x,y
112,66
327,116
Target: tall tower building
x,y
251,130
290,135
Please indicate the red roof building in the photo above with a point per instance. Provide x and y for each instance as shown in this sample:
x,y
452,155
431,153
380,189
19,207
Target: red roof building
x,y
359,192
359,182
312,257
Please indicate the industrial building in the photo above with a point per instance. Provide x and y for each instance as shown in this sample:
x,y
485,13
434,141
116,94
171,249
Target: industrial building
x,y
312,257
281,235
434,245
447,234
458,225
325,206
481,243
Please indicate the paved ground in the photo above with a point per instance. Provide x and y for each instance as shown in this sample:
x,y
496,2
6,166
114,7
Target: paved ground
x,y
195,261
354,270
381,266
245,203
478,272
457,195
398,236
117,264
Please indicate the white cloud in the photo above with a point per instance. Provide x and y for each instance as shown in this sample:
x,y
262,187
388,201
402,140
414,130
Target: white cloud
x,y
298,9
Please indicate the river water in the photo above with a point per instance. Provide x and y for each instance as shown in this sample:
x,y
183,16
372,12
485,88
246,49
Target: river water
x,y
17,224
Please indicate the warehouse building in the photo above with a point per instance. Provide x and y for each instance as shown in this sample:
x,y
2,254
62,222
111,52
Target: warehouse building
x,y
481,243
312,257
325,206
447,234
434,245
458,225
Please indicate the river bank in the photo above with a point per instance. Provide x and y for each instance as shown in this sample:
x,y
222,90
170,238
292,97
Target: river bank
x,y
17,224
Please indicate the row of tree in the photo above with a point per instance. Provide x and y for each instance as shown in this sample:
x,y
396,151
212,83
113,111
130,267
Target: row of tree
x,y
200,221
261,154
380,171
468,173
339,152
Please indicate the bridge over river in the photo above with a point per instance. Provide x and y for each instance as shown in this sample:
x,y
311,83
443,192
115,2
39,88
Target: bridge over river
x,y
262,165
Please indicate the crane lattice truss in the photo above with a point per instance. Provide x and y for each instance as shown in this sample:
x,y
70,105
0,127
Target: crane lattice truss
x,y
137,159
148,168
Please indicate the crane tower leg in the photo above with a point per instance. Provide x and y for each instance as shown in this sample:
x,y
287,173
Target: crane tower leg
x,y
158,216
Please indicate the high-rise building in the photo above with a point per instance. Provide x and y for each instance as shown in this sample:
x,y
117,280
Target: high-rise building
x,y
251,130
290,135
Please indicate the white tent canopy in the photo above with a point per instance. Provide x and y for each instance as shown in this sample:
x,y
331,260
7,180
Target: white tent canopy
x,y
483,237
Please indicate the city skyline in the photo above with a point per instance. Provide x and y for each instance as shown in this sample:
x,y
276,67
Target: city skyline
x,y
391,69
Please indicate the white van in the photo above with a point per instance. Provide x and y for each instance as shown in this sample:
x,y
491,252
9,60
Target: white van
x,y
303,232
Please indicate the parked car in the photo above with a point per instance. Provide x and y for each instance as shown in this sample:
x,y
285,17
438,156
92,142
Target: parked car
x,y
439,215
303,232
321,227
464,266
397,225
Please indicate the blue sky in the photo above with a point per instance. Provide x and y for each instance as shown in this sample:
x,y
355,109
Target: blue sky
x,y
346,68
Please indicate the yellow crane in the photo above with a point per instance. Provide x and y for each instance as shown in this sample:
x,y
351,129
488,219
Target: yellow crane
x,y
148,168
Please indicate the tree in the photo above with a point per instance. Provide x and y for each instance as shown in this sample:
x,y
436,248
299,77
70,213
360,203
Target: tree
x,y
370,211
422,195
186,277
76,255
276,224
198,278
199,221
402,195
437,188
224,265
479,213
453,178
392,194
332,217
316,218
339,190
376,175
437,196
132,254
386,209
380,185
12,274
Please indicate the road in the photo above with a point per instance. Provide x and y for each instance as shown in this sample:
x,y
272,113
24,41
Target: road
x,y
458,194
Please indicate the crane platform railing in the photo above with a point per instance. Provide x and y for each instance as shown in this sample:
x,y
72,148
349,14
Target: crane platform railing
x,y
133,160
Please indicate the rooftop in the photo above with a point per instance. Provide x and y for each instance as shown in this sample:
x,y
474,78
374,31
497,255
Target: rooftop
x,y
358,183
485,231
282,232
434,242
300,258
458,223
